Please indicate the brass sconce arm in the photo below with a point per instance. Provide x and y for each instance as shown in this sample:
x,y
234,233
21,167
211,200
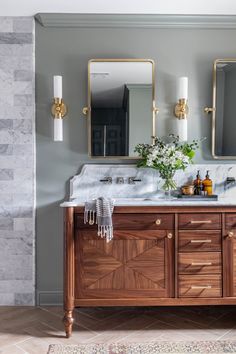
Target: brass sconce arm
x,y
181,109
59,108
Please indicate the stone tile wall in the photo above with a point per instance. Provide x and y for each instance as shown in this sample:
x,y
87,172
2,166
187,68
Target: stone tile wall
x,y
17,161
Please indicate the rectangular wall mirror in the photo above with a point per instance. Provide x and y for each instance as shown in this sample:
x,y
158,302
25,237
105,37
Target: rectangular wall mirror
x,y
121,106
224,104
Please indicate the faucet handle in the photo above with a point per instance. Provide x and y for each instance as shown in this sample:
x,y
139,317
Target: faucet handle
x,y
106,180
132,180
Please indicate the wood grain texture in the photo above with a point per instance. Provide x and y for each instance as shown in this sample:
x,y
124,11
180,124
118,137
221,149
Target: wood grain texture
x,y
209,286
69,270
200,263
134,221
152,301
122,266
212,244
230,221
200,221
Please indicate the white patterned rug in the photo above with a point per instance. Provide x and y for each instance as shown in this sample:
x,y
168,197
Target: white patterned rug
x,y
163,347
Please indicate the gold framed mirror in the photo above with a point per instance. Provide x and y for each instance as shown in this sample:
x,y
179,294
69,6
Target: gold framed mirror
x,y
223,109
121,106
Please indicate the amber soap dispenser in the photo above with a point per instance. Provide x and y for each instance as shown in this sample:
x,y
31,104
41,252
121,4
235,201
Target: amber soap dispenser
x,y
207,184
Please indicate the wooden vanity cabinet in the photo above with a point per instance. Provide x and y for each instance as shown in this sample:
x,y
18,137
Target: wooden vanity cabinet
x,y
158,256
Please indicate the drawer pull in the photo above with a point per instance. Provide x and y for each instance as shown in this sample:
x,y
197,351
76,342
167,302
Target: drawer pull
x,y
169,235
201,221
230,234
158,222
201,287
201,264
200,241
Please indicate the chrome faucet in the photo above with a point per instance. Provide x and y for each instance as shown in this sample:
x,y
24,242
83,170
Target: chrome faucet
x,y
106,180
132,180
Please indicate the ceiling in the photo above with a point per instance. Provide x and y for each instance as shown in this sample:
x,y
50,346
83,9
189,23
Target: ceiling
x,y
31,7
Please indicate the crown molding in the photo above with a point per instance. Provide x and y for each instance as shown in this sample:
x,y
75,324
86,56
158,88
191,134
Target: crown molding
x,y
136,21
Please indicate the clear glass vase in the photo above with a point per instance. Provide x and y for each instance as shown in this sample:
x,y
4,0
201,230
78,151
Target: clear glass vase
x,y
168,186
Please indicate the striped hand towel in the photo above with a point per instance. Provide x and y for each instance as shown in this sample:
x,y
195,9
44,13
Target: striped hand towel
x,y
100,211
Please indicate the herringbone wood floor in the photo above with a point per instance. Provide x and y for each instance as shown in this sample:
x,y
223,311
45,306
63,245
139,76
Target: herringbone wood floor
x,y
31,330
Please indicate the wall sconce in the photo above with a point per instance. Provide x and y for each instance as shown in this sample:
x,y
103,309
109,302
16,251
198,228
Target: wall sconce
x,y
181,109
59,108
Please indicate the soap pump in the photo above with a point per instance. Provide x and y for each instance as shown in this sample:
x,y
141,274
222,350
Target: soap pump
x,y
207,184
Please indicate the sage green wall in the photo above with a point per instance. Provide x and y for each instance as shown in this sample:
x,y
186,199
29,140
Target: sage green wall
x,y
66,51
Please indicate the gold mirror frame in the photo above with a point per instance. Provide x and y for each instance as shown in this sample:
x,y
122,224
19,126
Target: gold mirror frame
x,y
213,110
87,110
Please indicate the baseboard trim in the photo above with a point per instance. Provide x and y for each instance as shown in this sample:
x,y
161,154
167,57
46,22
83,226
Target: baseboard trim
x,y
49,298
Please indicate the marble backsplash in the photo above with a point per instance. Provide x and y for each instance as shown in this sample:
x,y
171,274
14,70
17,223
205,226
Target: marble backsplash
x,y
87,185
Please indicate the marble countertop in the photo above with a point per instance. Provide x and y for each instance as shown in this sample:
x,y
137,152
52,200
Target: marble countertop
x,y
222,201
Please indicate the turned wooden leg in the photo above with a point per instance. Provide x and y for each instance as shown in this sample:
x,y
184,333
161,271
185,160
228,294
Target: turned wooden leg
x,y
68,322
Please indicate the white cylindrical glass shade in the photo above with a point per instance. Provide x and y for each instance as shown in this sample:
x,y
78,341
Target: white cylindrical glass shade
x,y
182,88
57,86
182,129
58,129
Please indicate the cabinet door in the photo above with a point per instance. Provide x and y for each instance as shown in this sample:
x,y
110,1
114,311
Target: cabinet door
x,y
229,262
133,264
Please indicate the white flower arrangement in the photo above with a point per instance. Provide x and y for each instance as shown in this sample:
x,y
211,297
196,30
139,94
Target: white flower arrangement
x,y
167,155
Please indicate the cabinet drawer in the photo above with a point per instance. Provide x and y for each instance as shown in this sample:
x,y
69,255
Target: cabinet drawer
x,y
199,221
133,222
191,241
230,221
200,286
200,263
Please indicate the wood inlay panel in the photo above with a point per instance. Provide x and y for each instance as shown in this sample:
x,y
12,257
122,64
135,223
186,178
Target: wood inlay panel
x,y
123,265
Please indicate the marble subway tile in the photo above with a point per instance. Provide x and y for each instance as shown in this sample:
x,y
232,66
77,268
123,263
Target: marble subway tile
x,y
20,112
23,75
22,286
22,87
6,174
6,24
23,125
23,224
6,124
22,138
6,198
6,98
15,38
23,24
10,211
6,186
6,223
17,50
22,199
16,246
17,114
16,267
6,136
23,100
7,299
22,234
23,149
6,149
24,299
16,161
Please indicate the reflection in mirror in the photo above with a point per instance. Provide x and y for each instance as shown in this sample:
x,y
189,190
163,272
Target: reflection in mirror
x,y
121,101
225,108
